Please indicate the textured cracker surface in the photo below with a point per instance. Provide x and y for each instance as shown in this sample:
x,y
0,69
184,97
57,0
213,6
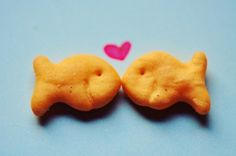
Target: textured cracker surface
x,y
84,82
158,80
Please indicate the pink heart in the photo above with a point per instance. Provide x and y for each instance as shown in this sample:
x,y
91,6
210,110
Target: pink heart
x,y
117,52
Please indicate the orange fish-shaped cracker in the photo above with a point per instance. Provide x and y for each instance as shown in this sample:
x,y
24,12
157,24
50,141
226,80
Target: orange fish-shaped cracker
x,y
158,80
84,82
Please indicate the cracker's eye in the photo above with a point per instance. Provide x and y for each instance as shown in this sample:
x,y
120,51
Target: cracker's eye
x,y
142,71
98,72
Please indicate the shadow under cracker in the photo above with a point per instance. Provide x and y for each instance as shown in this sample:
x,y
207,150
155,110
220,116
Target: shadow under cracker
x,y
61,109
178,109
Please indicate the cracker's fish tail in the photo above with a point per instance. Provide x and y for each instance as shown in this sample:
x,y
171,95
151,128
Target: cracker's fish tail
x,y
199,60
199,96
40,102
41,64
42,98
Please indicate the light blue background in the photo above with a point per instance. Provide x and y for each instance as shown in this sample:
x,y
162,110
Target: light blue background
x,y
60,28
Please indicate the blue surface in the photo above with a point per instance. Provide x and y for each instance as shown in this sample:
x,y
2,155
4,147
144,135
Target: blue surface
x,y
60,28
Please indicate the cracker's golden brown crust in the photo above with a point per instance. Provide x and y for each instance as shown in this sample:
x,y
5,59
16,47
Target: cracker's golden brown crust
x,y
158,80
84,82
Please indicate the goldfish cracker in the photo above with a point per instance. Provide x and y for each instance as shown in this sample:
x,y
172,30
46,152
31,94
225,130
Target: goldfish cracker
x,y
158,80
84,82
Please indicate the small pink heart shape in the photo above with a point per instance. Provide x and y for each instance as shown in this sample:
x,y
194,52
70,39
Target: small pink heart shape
x,y
117,52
